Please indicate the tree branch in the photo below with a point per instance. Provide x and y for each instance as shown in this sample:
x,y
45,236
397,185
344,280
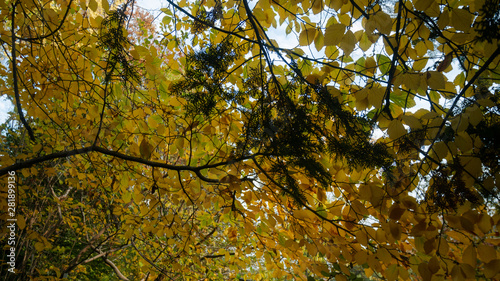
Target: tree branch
x,y
197,170
115,269
14,75
52,31
461,94
105,253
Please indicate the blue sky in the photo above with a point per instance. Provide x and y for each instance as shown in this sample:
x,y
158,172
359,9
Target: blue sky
x,y
5,107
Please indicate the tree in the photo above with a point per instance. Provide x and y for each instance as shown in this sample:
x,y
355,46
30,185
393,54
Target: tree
x,y
213,152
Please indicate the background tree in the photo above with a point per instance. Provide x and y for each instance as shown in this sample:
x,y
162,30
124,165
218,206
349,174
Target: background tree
x,y
214,152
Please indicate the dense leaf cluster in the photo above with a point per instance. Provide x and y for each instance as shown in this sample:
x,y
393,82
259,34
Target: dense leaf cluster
x,y
213,151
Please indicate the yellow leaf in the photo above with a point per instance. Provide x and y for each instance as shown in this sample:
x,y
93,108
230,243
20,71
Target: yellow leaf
x,y
307,36
37,147
179,144
468,271
127,196
105,5
466,224
433,265
145,149
492,268
420,64
424,271
334,34
412,121
175,101
443,247
457,274
39,246
377,194
331,52
129,233
436,80
470,256
421,49
230,179
384,255
302,214
441,150
321,194
21,222
422,5
396,129
403,273
340,277
370,65
461,19
319,41
475,115
362,238
473,165
391,273
334,4
376,96
383,22
359,208
365,43
259,14
58,272
317,6
484,223
348,43
409,202
412,81
93,5
486,253
395,230
313,78
463,142
333,91
361,257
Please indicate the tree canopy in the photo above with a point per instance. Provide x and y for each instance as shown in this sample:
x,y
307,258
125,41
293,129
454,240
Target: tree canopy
x,y
252,140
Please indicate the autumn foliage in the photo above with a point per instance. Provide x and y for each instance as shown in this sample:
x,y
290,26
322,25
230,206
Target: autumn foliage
x,y
252,140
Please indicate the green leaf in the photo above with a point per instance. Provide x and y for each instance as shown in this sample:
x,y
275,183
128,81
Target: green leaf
x,y
384,63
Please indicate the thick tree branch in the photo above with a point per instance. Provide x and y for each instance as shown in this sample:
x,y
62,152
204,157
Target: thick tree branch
x,y
115,269
392,70
196,169
44,158
14,75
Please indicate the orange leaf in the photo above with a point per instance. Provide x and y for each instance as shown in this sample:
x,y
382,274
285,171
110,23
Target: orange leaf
x,y
445,63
